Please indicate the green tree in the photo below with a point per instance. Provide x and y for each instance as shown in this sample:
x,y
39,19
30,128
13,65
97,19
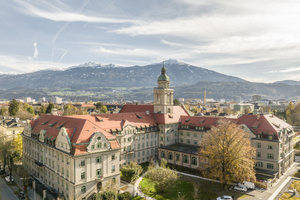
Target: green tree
x,y
125,196
43,109
99,105
226,154
25,106
103,109
195,110
176,102
288,112
162,177
132,171
30,110
13,108
49,108
3,111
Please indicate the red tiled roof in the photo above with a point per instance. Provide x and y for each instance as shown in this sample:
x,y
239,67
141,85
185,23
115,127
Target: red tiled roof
x,y
114,144
178,111
203,121
115,121
78,149
136,108
79,129
264,123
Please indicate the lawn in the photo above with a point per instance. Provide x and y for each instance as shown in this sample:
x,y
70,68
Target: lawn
x,y
295,184
208,190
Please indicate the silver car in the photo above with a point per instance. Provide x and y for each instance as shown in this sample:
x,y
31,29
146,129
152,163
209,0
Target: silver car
x,y
225,198
242,189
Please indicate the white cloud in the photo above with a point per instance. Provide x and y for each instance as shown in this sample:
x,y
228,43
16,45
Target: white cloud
x,y
36,52
28,65
44,10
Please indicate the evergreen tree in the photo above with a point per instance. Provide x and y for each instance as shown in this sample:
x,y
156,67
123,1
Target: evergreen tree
x,y
49,108
99,105
13,108
176,102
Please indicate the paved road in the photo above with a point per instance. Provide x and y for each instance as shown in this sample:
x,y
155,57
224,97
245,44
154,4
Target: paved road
x,y
6,192
265,194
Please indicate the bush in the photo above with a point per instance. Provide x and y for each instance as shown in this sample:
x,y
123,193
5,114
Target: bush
x,y
125,196
131,172
106,195
162,177
261,185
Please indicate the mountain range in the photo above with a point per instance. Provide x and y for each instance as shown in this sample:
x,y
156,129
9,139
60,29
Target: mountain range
x,y
97,75
94,81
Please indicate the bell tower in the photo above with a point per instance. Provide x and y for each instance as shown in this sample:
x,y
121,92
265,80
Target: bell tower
x,y
163,95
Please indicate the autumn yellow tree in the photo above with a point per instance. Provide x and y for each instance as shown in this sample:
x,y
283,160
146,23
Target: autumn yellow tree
x,y
226,154
17,147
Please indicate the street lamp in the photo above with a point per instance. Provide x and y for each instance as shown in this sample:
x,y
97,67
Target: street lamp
x,y
33,186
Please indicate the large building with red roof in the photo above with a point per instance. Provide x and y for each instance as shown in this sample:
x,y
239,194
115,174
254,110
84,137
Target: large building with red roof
x,y
77,155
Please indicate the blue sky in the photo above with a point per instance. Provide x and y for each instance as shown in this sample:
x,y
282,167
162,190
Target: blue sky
x,y
255,40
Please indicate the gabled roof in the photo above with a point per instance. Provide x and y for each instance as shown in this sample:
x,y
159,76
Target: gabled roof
x,y
178,111
116,121
79,129
136,108
267,124
204,121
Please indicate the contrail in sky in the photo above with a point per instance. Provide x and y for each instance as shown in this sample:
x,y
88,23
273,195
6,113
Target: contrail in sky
x,y
102,11
65,26
63,55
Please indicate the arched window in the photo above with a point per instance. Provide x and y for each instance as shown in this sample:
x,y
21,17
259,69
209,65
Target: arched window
x,y
177,157
185,159
99,145
170,156
194,161
162,154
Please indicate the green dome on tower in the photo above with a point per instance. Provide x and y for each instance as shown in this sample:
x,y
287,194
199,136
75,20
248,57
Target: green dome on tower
x,y
163,76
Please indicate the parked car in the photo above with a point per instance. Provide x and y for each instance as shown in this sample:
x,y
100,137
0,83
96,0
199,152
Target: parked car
x,y
242,189
7,178
225,198
248,185
22,195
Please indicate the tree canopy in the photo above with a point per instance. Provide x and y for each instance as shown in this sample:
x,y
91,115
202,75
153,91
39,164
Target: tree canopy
x,y
162,177
30,110
13,108
103,109
176,102
49,108
226,154
99,105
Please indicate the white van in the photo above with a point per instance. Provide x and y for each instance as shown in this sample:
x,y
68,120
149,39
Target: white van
x,y
248,185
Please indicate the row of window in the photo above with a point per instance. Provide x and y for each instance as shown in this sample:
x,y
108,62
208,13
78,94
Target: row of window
x,y
129,139
188,141
261,164
188,134
177,158
269,155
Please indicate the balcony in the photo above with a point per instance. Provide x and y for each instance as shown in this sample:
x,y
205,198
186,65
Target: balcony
x,y
99,178
40,164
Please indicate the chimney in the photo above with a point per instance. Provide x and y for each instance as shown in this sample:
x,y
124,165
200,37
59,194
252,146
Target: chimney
x,y
258,115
